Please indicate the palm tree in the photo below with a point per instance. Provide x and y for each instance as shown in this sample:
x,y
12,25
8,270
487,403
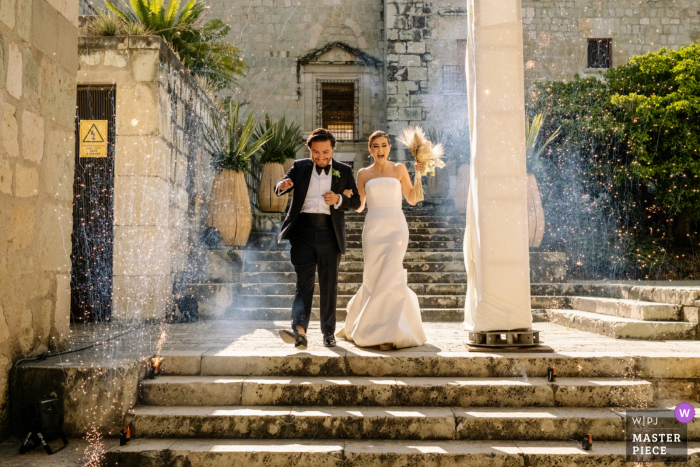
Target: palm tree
x,y
202,49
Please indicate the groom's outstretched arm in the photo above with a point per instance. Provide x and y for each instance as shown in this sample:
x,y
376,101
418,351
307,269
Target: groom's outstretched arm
x,y
283,184
352,202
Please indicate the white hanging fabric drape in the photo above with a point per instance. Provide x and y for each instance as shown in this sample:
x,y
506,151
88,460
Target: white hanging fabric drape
x,y
496,242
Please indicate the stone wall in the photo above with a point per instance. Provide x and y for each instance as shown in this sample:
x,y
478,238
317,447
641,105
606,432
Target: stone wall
x,y
275,34
38,61
163,172
426,45
425,42
556,32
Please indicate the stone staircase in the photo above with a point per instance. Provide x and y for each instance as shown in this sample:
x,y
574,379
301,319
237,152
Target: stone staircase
x,y
284,408
621,310
259,283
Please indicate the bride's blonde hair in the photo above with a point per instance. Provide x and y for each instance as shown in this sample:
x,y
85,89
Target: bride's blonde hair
x,y
378,134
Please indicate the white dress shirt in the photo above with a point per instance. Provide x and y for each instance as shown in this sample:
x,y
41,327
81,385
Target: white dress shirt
x,y
318,185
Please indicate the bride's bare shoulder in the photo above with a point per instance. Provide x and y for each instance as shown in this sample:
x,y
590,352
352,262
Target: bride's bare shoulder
x,y
401,168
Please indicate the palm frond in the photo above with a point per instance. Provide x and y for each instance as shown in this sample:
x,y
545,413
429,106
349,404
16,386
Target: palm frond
x,y
126,15
172,10
532,133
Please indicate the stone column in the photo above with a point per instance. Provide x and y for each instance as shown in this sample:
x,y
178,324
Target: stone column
x,y
496,243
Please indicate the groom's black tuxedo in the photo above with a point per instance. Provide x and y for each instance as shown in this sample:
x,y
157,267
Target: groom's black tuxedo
x,y
300,175
318,240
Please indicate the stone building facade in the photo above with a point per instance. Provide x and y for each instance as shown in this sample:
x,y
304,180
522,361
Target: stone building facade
x,y
38,62
163,171
421,47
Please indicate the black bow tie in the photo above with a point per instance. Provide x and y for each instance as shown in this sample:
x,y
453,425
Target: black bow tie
x,y
325,169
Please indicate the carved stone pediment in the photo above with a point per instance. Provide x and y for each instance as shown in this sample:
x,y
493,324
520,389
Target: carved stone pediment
x,y
339,53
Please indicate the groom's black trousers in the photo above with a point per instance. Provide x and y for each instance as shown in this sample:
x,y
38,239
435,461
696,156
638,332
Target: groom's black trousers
x,y
315,248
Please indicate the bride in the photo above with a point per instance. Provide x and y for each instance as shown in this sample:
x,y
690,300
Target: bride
x,y
384,311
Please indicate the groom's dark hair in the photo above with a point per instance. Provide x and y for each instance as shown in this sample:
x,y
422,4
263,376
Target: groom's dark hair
x,y
321,134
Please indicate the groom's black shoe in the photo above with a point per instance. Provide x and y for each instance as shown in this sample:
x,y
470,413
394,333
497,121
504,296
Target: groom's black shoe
x,y
329,340
293,337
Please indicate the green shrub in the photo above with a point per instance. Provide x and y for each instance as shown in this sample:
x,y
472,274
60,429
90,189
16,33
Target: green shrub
x,y
202,49
633,141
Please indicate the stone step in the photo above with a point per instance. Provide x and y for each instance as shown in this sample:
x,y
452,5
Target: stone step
x,y
345,277
428,315
356,453
395,391
415,238
423,245
282,301
414,217
346,288
354,266
354,255
623,328
423,224
685,293
452,231
371,362
634,309
409,423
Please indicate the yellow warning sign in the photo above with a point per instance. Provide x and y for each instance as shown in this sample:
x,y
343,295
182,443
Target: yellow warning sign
x,y
93,138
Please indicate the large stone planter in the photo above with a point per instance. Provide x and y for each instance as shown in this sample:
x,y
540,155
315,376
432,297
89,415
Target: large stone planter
x,y
269,201
288,164
439,184
229,209
535,213
462,189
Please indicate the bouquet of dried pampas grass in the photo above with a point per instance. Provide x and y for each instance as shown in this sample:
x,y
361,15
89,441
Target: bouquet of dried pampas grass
x,y
424,152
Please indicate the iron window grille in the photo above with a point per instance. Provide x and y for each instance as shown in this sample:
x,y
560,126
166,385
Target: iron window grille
x,y
454,78
338,107
599,53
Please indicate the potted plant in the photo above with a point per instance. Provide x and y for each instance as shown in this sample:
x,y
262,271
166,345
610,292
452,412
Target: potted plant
x,y
273,156
439,180
229,209
535,213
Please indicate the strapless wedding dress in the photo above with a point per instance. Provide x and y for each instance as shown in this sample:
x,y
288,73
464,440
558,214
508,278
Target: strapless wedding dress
x,y
384,309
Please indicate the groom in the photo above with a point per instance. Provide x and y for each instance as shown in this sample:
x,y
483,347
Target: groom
x,y
315,226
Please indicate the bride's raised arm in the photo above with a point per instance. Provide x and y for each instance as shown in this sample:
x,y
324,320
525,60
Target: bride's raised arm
x,y
409,191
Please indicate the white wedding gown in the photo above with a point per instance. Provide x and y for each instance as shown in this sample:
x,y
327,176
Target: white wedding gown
x,y
384,309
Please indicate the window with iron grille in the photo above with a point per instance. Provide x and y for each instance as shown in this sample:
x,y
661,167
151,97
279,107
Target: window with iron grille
x,y
454,78
599,53
338,107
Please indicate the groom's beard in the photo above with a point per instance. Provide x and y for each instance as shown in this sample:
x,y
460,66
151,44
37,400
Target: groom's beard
x,y
320,163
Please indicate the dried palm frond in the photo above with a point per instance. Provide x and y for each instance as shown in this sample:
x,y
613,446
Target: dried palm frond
x,y
422,149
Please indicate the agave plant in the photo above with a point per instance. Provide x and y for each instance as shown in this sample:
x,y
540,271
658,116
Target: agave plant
x,y
237,143
532,133
283,141
202,49
105,23
296,141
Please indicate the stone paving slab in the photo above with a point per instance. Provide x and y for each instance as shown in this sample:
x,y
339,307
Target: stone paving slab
x,y
288,453
216,452
362,422
623,328
395,391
